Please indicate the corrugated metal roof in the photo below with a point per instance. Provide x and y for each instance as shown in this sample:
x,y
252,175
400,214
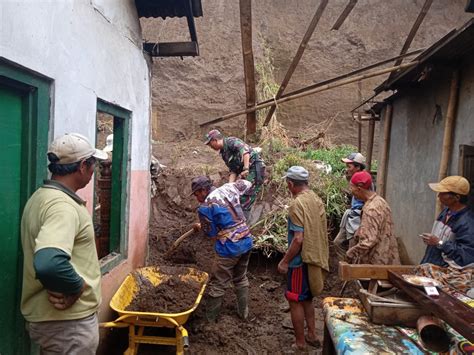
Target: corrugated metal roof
x,y
448,50
167,8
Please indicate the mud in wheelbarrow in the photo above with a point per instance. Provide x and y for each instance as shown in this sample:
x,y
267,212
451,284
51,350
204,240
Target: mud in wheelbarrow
x,y
137,321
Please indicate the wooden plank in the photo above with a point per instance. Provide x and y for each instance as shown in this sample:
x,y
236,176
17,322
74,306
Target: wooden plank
x,y
348,272
454,312
310,92
249,68
298,55
172,49
345,13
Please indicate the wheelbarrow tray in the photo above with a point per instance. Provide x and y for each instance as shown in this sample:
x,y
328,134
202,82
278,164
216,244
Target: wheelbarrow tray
x,y
155,275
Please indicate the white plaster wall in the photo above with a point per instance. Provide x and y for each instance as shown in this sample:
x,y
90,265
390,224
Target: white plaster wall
x,y
91,49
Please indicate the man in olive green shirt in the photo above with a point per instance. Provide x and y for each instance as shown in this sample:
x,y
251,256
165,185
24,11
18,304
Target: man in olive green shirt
x,y
61,272
306,261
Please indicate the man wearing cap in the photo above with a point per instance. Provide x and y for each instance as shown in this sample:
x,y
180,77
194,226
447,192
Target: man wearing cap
x,y
451,241
306,261
221,217
61,273
355,162
374,241
350,221
242,161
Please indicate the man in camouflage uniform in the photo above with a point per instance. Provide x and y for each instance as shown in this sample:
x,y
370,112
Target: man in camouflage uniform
x,y
374,242
242,161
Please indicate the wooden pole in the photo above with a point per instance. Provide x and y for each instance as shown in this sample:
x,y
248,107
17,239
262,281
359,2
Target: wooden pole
x,y
359,133
249,68
359,116
413,31
449,125
359,136
370,143
383,166
344,14
310,92
299,54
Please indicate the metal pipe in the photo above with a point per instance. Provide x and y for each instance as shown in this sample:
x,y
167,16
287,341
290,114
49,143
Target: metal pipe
x,y
432,334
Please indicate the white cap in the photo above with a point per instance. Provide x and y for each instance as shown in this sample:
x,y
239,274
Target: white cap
x,y
354,158
74,147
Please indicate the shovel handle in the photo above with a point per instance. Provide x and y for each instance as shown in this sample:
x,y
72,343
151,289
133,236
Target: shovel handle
x,y
178,241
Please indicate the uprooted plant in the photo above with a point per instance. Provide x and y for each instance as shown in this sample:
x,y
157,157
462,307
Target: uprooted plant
x,y
327,180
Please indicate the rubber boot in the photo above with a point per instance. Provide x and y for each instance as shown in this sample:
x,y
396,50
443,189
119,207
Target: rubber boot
x,y
213,308
242,294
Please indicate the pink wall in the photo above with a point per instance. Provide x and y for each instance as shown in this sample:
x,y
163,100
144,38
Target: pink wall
x,y
139,211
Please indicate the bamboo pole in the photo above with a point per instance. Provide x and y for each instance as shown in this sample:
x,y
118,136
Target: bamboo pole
x,y
249,68
370,144
346,75
310,92
449,124
383,166
298,55
344,14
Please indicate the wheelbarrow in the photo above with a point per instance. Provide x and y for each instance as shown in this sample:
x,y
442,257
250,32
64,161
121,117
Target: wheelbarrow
x,y
137,321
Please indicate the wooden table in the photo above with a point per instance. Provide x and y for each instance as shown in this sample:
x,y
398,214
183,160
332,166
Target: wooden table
x,y
454,312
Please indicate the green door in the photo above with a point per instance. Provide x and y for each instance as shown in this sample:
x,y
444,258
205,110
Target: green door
x,y
11,325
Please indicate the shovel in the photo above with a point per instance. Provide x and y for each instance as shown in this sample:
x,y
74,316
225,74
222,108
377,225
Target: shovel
x,y
178,241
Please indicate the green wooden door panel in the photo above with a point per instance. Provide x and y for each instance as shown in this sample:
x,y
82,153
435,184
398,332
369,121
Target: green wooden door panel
x,y
11,104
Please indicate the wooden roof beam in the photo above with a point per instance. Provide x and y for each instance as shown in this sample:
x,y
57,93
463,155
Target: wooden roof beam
x,y
344,14
298,55
249,67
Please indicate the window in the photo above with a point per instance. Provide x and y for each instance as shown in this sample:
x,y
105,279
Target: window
x,y
111,184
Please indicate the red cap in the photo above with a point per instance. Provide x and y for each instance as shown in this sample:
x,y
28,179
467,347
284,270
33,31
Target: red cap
x,y
362,179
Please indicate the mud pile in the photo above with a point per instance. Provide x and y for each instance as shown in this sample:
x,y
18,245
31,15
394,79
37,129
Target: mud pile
x,y
173,295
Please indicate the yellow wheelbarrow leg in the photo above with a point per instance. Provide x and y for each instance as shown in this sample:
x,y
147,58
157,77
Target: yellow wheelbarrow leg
x,y
182,340
132,345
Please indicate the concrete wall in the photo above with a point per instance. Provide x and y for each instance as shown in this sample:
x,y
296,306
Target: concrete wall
x,y
415,151
91,50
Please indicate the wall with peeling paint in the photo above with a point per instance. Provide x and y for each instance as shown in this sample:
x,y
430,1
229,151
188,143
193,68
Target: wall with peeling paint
x,y
91,50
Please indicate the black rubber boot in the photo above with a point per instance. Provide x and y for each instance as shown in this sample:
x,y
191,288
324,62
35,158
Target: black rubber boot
x,y
213,308
242,294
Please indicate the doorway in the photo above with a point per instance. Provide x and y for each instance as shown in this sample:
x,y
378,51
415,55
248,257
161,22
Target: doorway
x,y
24,121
